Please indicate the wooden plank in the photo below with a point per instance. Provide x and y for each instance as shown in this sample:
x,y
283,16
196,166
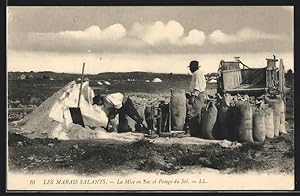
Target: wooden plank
x,y
233,70
233,65
282,80
281,72
267,78
231,78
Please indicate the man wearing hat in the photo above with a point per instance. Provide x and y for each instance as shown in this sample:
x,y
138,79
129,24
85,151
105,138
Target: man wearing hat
x,y
196,97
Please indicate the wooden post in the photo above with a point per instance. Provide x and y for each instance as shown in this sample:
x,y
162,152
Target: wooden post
x,y
280,75
82,75
281,79
271,72
267,77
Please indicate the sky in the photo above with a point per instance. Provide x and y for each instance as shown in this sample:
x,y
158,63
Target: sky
x,y
146,38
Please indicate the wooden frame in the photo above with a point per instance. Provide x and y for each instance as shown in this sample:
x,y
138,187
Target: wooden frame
x,y
269,79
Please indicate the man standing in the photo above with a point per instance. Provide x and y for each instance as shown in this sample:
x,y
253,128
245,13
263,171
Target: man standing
x,y
196,97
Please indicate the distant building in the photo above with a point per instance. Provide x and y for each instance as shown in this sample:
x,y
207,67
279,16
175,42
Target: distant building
x,y
51,79
147,80
156,80
106,82
30,77
22,77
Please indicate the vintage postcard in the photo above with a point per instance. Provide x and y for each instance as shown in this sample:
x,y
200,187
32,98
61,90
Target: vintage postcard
x,y
150,98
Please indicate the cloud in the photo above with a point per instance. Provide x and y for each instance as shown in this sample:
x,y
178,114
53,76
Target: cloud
x,y
113,32
172,33
157,33
93,37
155,37
244,35
195,37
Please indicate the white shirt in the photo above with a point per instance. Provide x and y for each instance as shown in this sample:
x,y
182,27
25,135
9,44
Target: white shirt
x,y
115,99
198,83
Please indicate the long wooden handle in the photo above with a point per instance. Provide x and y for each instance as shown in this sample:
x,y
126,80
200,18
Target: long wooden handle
x,y
82,74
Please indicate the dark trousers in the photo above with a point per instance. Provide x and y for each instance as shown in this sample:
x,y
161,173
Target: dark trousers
x,y
198,104
195,114
128,109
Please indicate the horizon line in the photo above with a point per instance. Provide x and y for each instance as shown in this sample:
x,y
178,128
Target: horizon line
x,y
101,72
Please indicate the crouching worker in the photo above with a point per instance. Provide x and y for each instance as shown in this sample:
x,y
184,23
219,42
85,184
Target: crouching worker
x,y
117,103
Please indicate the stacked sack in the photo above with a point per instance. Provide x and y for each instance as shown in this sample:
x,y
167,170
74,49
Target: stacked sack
x,y
278,106
208,121
269,123
247,119
224,117
259,123
178,109
243,128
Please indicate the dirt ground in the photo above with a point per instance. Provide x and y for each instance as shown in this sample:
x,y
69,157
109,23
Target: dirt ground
x,y
105,156
96,157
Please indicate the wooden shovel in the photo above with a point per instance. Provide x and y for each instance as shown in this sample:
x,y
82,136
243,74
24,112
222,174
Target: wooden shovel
x,y
76,112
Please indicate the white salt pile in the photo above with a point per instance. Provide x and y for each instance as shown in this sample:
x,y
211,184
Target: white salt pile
x,y
194,140
121,137
52,119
